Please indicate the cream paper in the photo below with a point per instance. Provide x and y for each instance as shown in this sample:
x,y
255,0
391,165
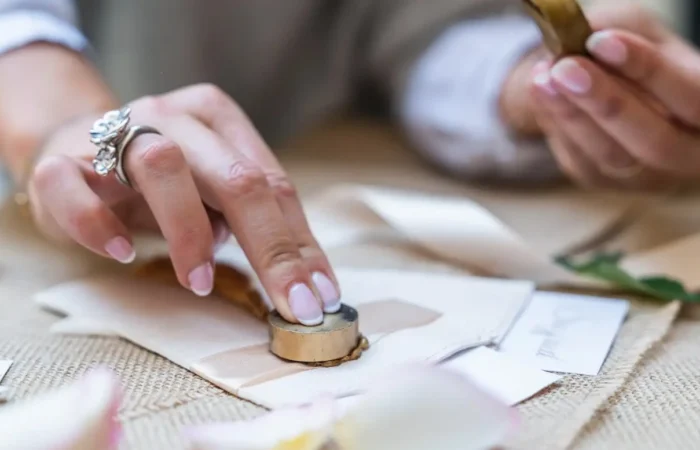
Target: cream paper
x,y
677,259
407,316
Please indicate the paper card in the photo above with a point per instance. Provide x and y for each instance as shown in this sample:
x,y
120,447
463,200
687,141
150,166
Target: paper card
x,y
409,316
501,375
4,368
566,333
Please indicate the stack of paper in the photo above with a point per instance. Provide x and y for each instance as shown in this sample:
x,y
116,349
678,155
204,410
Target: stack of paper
x,y
408,317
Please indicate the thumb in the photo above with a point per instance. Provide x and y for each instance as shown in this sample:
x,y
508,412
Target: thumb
x,y
517,107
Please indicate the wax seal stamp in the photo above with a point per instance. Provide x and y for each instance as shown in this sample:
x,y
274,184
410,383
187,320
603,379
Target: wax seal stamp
x,y
336,341
563,25
336,338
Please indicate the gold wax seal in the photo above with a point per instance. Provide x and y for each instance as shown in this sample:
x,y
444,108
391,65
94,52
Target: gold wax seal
x,y
229,284
563,25
336,338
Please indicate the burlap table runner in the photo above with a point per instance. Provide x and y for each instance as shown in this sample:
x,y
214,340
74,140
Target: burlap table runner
x,y
659,407
160,398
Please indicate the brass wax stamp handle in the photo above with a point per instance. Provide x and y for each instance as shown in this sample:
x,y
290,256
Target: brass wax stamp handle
x,y
337,338
564,27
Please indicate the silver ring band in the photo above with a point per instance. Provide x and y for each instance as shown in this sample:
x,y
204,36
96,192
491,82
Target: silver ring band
x,y
112,135
131,134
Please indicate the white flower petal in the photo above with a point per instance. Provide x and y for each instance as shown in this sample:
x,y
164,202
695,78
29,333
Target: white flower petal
x,y
76,417
311,425
426,408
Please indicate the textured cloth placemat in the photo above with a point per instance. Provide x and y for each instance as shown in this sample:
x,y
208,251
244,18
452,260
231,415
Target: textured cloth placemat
x,y
659,407
555,419
160,397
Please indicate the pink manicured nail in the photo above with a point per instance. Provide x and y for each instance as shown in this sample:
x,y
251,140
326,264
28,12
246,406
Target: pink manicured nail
x,y
544,82
329,294
607,47
304,305
221,235
570,74
120,249
202,280
541,66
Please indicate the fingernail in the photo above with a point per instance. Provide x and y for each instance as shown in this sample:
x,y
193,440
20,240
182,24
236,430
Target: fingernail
x,y
202,280
329,294
120,249
544,82
221,235
572,76
541,66
606,46
304,305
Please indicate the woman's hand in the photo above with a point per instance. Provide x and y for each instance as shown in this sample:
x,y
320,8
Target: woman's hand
x,y
630,116
209,174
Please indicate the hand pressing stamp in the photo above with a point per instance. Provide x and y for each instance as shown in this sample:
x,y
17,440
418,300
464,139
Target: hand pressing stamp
x,y
563,25
333,342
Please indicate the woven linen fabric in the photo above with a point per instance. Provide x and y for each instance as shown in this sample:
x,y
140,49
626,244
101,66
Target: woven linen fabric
x,y
555,419
659,407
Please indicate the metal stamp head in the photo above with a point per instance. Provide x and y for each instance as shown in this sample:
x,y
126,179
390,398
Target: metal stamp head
x,y
333,339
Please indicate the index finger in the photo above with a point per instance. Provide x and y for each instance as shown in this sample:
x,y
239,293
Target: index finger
x,y
220,113
647,135
238,188
662,71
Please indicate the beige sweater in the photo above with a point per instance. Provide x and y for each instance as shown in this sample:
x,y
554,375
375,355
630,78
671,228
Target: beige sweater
x,y
289,62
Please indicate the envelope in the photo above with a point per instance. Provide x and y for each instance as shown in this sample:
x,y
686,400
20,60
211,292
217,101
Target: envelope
x,y
463,233
407,317
454,229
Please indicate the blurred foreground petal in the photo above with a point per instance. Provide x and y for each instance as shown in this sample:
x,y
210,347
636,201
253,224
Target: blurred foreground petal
x,y
303,428
80,416
426,408
418,408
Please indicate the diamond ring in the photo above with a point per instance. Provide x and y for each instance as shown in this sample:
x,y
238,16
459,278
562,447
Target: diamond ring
x,y
106,134
112,135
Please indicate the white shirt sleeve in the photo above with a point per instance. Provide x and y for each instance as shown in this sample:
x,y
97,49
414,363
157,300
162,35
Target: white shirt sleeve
x,y
450,110
25,26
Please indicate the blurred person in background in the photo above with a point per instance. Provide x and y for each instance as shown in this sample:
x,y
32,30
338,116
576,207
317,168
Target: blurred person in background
x,y
220,82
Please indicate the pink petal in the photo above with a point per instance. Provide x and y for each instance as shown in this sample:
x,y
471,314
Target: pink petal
x,y
80,416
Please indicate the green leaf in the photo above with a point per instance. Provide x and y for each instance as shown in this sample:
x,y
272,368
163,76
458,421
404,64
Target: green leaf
x,y
606,267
